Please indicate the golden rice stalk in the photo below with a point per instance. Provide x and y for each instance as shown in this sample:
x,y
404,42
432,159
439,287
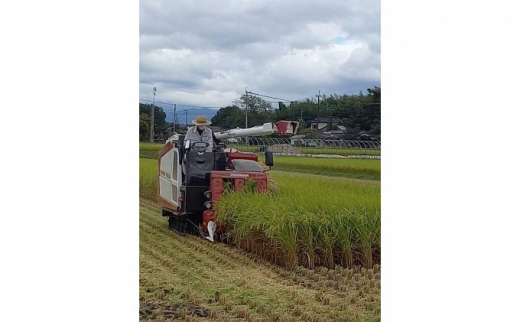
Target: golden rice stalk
x,y
272,187
184,313
326,300
273,315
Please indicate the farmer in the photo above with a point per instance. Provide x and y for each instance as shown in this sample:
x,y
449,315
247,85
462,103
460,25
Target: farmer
x,y
200,132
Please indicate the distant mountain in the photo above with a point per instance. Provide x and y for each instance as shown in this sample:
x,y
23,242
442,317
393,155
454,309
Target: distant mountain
x,y
188,114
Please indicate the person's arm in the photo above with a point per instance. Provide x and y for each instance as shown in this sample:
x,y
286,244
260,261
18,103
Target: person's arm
x,y
188,134
215,138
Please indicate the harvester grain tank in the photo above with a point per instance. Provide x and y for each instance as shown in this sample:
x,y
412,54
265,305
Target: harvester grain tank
x,y
192,180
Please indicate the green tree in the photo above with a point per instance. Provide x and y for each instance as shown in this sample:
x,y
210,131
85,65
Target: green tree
x,y
258,110
144,126
375,130
309,133
358,112
229,117
373,111
374,94
160,124
254,104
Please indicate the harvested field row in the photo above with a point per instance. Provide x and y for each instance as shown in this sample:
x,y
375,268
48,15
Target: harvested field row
x,y
185,278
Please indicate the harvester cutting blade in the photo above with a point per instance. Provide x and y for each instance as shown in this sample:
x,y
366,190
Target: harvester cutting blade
x,y
212,227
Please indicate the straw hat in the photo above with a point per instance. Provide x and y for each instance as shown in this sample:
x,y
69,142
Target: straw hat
x,y
201,121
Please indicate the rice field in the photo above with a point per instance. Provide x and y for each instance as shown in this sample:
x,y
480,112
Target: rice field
x,y
316,150
340,164
355,168
307,251
308,222
149,150
352,168
146,146
149,147
148,173
187,279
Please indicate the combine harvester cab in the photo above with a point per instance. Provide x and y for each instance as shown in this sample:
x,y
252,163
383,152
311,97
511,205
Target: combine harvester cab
x,y
191,180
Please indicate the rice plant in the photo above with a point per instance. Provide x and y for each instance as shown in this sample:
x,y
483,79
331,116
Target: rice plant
x,y
308,222
148,178
305,221
369,168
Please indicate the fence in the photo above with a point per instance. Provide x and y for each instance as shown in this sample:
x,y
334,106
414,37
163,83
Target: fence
x,y
308,147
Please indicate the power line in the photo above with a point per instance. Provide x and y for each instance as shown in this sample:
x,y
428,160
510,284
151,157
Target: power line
x,y
248,92
184,112
267,96
183,105
285,100
152,118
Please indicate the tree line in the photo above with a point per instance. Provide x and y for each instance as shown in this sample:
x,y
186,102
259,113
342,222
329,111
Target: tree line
x,y
160,125
358,113
361,112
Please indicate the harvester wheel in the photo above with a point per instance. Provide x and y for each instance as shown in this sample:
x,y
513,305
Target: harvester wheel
x,y
171,223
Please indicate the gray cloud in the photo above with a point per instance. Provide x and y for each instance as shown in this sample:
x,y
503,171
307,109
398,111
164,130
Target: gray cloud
x,y
208,52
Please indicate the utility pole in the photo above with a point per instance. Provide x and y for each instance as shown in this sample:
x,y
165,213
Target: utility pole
x,y
318,114
246,107
329,111
186,112
153,115
174,116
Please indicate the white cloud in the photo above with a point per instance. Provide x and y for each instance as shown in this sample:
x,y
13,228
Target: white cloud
x,y
208,52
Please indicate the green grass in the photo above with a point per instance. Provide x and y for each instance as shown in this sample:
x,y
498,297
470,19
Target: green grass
x,y
304,150
148,175
149,150
316,150
341,151
343,167
144,146
354,168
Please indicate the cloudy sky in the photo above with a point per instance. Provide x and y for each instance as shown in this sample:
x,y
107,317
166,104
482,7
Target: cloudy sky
x,y
206,53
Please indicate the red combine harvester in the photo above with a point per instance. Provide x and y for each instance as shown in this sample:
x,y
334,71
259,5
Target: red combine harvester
x,y
192,180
